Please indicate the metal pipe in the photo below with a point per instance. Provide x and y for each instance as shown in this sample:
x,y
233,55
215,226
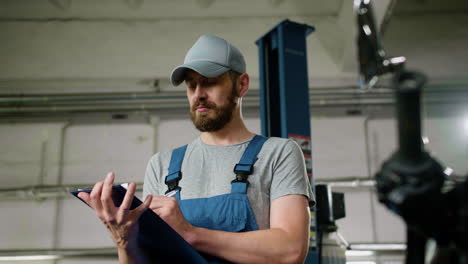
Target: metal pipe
x,y
154,121
379,246
369,175
45,192
63,191
59,202
180,97
111,252
350,184
169,101
123,106
57,254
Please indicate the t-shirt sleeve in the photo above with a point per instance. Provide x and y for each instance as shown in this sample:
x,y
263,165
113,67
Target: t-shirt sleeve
x,y
151,181
290,175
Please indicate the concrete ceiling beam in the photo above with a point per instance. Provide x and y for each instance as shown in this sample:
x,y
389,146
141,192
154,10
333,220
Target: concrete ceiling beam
x,y
138,9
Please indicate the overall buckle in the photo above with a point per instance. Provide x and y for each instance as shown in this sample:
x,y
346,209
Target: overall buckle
x,y
172,181
242,172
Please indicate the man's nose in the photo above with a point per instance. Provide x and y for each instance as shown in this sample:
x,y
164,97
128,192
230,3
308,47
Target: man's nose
x,y
200,92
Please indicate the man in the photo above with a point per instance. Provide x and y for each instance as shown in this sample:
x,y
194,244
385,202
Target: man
x,y
257,214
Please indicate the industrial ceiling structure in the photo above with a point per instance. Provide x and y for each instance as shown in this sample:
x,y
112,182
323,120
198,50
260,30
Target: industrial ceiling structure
x,y
60,46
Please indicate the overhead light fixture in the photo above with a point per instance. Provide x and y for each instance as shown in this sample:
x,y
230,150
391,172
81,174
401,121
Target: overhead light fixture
x,y
359,253
397,247
30,257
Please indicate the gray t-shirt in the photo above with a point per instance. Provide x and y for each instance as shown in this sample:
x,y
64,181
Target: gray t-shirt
x,y
207,170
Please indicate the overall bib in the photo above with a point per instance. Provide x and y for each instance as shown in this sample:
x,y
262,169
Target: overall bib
x,y
229,212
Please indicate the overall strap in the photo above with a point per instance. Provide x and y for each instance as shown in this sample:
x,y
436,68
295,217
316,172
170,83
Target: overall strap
x,y
245,166
175,170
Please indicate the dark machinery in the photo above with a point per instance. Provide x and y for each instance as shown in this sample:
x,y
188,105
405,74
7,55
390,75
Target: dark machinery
x,y
411,183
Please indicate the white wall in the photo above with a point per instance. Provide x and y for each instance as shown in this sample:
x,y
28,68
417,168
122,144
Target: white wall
x,y
32,155
90,150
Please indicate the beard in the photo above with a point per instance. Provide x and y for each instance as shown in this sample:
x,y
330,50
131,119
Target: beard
x,y
221,115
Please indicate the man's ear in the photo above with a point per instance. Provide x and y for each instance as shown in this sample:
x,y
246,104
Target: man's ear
x,y
244,81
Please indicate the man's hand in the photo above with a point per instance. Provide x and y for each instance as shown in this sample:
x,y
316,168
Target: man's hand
x,y
168,209
120,221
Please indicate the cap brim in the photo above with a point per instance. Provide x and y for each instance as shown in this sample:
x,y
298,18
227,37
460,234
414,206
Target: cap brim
x,y
205,68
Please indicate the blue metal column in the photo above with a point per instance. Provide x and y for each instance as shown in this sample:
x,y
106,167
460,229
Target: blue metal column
x,y
284,95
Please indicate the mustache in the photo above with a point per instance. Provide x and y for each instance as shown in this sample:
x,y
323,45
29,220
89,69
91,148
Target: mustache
x,y
206,104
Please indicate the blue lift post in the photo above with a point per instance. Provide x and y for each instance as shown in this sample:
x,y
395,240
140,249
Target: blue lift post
x,y
284,96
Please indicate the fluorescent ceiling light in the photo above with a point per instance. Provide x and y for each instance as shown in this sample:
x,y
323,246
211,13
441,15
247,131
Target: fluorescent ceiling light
x,y
360,262
359,253
378,246
31,257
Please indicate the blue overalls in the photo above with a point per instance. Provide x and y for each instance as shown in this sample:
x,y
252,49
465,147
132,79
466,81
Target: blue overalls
x,y
227,212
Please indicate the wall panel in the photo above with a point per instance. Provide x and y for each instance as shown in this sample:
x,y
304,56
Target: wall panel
x,y
26,224
30,153
92,150
357,226
338,147
79,227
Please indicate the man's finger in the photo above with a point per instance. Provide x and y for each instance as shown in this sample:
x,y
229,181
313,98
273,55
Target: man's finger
x,y
127,201
85,197
124,208
96,196
137,212
162,212
106,195
161,202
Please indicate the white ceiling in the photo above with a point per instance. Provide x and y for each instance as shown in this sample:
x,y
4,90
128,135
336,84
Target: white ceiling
x,y
55,44
166,9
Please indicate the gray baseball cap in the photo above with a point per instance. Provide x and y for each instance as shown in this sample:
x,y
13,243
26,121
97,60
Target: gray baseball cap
x,y
210,56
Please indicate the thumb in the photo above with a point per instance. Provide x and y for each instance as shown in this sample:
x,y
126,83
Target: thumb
x,y
137,212
85,197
